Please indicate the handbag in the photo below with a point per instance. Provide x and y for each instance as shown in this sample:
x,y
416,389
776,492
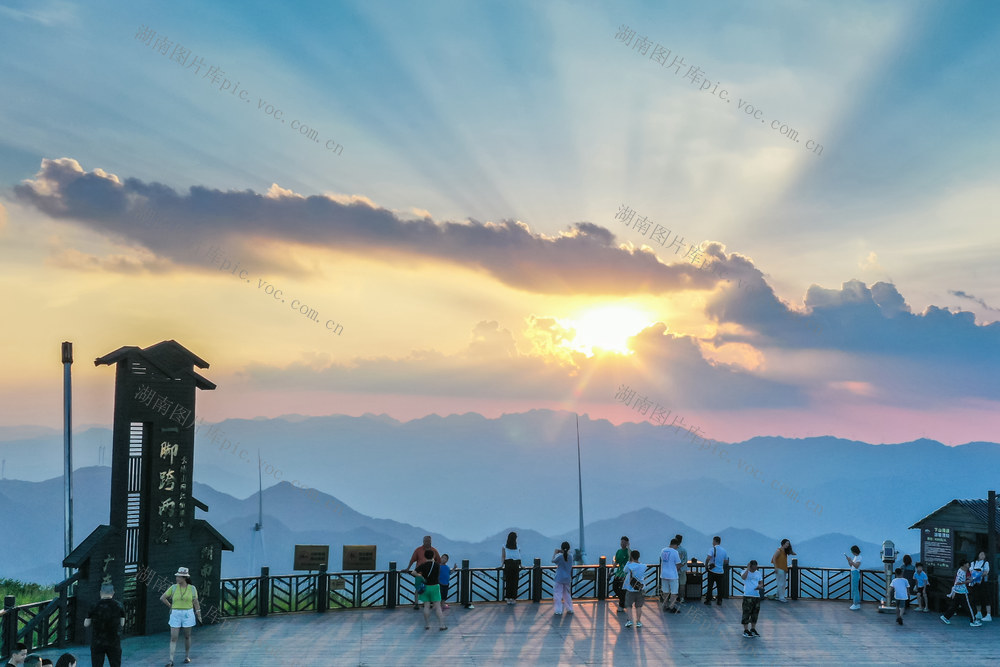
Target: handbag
x,y
635,583
421,582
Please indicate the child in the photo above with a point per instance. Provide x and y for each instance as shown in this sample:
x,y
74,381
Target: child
x,y
635,573
920,583
901,592
443,579
753,591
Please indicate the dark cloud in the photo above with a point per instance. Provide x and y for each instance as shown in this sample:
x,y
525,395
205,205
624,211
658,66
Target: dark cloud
x,y
963,295
583,260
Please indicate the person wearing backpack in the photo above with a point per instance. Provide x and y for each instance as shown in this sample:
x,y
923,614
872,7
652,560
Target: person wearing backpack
x,y
960,597
618,579
635,573
429,589
980,570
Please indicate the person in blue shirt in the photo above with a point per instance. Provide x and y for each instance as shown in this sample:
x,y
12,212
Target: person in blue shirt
x,y
920,587
562,596
443,580
716,562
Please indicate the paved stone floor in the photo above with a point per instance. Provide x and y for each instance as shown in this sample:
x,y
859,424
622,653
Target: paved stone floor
x,y
797,633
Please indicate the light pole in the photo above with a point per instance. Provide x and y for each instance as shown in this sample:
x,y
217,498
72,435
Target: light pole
x,y
67,360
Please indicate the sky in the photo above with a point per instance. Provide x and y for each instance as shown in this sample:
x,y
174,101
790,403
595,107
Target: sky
x,y
773,218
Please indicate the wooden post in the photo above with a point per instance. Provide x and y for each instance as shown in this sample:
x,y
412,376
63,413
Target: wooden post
x,y
602,578
63,616
392,586
8,627
793,581
264,591
465,585
536,581
322,590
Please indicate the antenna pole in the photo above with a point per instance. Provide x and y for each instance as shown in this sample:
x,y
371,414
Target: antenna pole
x,y
579,472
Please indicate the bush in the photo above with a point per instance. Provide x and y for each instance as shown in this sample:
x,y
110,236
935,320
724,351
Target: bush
x,y
26,592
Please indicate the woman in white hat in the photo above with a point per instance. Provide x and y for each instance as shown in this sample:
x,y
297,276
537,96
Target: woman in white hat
x,y
182,600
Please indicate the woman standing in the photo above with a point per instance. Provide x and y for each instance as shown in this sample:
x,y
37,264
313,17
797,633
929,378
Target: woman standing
x,y
909,572
510,555
980,570
562,596
854,560
431,595
182,600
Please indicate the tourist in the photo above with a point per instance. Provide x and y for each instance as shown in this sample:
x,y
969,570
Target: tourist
x,y
182,600
960,595
670,564
980,570
900,589
908,571
429,571
106,620
46,661
716,562
444,580
780,562
618,580
66,660
682,573
854,560
18,655
418,558
920,587
510,556
635,573
562,595
33,660
753,591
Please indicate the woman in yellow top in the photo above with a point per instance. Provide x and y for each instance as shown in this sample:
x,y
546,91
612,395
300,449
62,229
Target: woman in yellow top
x,y
182,600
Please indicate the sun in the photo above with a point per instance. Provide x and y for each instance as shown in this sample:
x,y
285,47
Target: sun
x,y
607,328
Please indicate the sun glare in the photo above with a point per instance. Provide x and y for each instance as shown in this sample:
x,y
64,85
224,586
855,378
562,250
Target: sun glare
x,y
607,328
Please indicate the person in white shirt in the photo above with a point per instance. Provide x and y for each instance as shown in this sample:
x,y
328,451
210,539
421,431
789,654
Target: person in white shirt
x,y
670,565
753,591
961,595
635,572
980,570
900,588
716,562
854,560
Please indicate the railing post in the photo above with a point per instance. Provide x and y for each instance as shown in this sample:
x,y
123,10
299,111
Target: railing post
x,y
465,585
63,616
322,590
391,586
264,591
793,583
536,581
602,578
8,637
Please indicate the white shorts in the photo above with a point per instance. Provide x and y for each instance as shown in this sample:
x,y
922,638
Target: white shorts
x,y
182,618
670,585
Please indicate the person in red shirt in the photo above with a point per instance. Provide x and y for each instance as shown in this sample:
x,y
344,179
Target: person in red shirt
x,y
419,559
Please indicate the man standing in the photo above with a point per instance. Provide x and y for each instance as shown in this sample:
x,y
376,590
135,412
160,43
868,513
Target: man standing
x,y
670,563
716,562
682,575
780,562
107,618
618,580
419,559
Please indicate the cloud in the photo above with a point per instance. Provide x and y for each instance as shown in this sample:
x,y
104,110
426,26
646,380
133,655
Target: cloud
x,y
963,295
3,217
669,367
585,259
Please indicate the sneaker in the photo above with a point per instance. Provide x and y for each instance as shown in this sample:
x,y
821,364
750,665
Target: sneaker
x,y
945,620
782,599
746,633
926,610
899,621
470,606
638,624
987,618
855,607
976,624
979,615
754,632
558,613
628,624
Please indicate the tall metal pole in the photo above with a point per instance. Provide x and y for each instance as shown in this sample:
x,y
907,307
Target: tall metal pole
x,y
579,472
67,360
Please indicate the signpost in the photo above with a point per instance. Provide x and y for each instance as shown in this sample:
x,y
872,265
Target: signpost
x,y
311,556
938,547
359,556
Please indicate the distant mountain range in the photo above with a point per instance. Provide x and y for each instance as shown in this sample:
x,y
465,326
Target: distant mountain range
x,y
295,517
470,478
